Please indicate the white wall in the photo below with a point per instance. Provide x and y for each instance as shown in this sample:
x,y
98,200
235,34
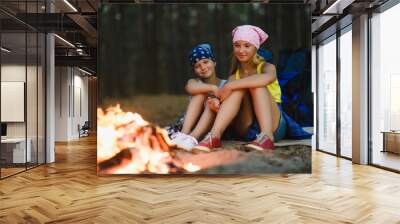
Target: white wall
x,y
61,103
16,73
71,102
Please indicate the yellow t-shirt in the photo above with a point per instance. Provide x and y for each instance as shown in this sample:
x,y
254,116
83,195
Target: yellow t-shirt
x,y
273,87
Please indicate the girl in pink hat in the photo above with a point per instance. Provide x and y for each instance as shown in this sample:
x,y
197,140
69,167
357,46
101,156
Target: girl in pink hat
x,y
251,98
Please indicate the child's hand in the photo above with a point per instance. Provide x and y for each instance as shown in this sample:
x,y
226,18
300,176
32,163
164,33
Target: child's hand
x,y
213,104
224,92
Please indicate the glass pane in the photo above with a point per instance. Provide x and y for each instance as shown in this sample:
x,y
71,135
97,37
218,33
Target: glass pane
x,y
327,96
346,94
80,105
13,86
386,89
31,97
41,98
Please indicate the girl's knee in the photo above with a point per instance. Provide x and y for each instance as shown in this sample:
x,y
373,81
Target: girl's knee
x,y
238,92
198,99
258,90
199,96
235,95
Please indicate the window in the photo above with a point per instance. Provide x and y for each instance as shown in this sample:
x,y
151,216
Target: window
x,y
22,65
327,95
385,84
346,92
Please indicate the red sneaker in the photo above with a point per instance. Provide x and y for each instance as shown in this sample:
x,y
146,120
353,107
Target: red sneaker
x,y
262,142
208,143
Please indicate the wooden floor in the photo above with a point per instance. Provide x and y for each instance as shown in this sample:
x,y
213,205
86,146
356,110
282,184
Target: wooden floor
x,y
69,191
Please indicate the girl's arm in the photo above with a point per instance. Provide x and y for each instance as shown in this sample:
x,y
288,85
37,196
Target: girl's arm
x,y
224,92
194,87
257,80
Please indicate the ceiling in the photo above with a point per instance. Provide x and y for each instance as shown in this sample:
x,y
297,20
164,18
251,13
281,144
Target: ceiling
x,y
76,22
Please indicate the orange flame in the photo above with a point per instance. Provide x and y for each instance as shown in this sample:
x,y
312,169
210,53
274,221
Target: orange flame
x,y
119,130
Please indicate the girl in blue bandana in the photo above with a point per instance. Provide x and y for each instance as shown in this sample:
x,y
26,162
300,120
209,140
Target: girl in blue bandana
x,y
203,105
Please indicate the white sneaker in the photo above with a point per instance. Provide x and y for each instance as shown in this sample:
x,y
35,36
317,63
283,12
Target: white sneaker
x,y
176,136
184,141
188,143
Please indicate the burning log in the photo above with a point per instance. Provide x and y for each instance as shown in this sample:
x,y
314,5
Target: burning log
x,y
120,159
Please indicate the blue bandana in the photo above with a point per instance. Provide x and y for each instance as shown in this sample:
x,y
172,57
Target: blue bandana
x,y
201,51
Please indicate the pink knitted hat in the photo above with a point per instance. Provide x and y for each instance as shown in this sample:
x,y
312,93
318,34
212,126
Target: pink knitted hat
x,y
249,33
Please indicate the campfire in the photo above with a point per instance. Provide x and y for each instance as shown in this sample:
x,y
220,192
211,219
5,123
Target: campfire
x,y
127,144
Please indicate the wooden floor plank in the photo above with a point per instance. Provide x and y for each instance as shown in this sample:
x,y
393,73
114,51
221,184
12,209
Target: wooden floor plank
x,y
69,191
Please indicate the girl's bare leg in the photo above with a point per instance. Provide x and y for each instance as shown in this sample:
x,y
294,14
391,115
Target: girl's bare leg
x,y
266,110
245,116
193,112
206,120
227,112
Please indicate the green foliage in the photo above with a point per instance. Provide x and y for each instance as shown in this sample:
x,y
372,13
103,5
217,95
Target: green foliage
x,y
143,47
